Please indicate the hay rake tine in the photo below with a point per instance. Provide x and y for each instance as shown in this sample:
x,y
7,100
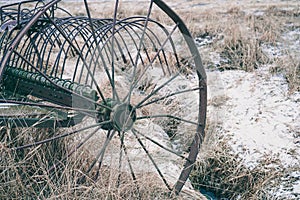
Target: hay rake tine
x,y
112,53
139,50
112,48
134,82
81,56
95,38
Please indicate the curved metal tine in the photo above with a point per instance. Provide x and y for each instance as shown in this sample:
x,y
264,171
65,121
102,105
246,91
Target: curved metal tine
x,y
95,38
123,25
151,158
134,82
107,41
99,157
123,148
73,34
81,56
92,50
89,40
112,47
162,146
79,29
168,38
167,96
135,24
103,34
58,86
3,35
119,47
78,146
139,50
59,136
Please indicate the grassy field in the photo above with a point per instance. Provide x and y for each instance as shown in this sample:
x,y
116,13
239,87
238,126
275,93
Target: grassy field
x,y
231,35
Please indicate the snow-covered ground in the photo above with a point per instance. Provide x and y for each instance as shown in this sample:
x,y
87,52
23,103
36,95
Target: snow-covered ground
x,y
259,115
261,119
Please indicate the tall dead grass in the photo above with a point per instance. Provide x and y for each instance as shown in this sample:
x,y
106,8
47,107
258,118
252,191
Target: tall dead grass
x,y
224,173
42,173
290,66
241,38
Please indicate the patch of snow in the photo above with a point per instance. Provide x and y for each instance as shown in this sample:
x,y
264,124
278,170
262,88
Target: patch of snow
x,y
260,117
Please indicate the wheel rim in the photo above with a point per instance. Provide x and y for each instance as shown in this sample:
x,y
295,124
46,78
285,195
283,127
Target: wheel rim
x,y
127,79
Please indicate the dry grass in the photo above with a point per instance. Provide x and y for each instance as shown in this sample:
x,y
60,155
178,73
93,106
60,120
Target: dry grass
x,y
241,38
26,174
290,66
223,172
238,38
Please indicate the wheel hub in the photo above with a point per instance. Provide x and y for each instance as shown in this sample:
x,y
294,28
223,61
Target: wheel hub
x,y
121,116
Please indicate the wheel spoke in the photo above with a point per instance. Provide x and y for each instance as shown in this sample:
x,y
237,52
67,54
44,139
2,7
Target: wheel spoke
x,y
78,146
157,90
100,156
59,136
151,159
135,82
167,96
139,51
123,148
168,116
163,147
121,137
26,103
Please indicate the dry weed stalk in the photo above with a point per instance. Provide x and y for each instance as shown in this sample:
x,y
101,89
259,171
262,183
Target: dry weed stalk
x,y
222,171
240,38
290,66
30,177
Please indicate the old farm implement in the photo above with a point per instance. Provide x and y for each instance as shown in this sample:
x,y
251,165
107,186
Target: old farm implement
x,y
130,89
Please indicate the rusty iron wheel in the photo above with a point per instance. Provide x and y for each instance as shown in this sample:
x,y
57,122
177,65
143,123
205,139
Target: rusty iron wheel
x,y
135,86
